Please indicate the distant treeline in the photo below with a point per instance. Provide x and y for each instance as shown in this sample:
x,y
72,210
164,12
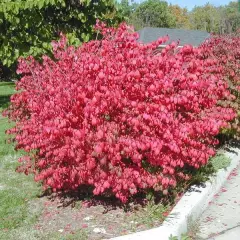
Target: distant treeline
x,y
156,13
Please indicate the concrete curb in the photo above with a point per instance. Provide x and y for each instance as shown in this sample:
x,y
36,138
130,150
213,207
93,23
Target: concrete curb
x,y
190,206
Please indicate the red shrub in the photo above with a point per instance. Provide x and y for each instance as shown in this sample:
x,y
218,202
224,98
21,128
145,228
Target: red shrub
x,y
225,49
116,116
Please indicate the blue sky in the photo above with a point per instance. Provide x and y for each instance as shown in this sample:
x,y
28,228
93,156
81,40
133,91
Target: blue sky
x,y
191,3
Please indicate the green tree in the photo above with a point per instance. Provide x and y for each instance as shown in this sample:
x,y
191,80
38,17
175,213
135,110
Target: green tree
x,y
125,7
230,18
27,27
153,13
181,15
223,19
205,18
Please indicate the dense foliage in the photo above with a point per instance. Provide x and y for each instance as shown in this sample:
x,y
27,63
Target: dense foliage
x,y
222,19
181,16
153,13
148,13
27,27
117,115
225,48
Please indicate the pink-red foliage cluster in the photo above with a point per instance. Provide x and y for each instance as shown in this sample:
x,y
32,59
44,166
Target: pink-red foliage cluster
x,y
115,115
225,49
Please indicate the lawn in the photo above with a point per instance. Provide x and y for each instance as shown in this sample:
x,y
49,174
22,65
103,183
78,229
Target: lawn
x,y
16,190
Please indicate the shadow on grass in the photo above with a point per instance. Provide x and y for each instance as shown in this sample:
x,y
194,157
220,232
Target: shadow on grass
x,y
85,194
7,84
6,90
4,101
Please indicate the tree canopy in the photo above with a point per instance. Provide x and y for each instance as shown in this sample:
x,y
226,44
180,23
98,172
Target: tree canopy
x,y
153,13
223,19
27,27
157,13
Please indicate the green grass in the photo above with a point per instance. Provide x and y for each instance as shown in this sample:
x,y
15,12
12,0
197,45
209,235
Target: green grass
x,y
32,234
5,148
78,235
183,237
6,90
16,193
16,190
203,174
151,214
220,161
